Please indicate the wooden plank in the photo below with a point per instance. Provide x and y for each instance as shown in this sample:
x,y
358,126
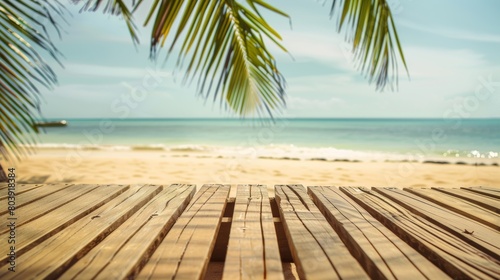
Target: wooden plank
x,y
479,199
36,230
222,241
23,186
185,251
56,254
34,194
285,254
492,189
382,254
317,250
253,251
471,231
484,191
452,254
123,253
40,207
460,206
20,189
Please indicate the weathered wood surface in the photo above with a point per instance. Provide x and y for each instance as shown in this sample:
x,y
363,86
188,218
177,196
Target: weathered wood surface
x,y
46,204
471,231
317,250
83,231
34,229
460,206
185,251
495,193
123,253
26,195
484,201
20,189
253,251
51,258
382,254
455,256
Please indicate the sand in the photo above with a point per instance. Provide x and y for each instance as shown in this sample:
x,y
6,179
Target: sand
x,y
160,167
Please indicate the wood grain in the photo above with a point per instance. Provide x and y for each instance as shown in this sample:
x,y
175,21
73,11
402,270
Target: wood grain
x,y
253,251
317,250
469,230
491,192
53,256
31,210
452,254
479,199
186,250
382,254
148,231
32,233
460,206
20,189
123,253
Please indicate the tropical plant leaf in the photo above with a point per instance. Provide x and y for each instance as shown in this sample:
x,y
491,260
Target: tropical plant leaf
x,y
22,69
370,28
224,47
114,7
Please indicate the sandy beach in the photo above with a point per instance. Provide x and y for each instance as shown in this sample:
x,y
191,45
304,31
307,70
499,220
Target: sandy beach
x,y
161,167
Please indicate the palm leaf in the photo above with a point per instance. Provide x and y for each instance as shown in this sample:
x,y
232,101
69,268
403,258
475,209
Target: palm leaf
x,y
223,47
370,28
114,7
23,70
223,42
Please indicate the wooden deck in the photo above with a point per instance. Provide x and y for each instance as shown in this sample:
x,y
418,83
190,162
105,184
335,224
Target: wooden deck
x,y
175,232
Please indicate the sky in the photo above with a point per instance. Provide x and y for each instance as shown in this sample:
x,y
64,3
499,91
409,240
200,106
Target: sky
x,y
451,48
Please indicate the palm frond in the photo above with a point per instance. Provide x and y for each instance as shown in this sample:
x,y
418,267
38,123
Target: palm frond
x,y
114,7
224,44
369,26
23,70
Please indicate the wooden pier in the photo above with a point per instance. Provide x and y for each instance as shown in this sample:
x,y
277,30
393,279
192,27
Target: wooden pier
x,y
73,231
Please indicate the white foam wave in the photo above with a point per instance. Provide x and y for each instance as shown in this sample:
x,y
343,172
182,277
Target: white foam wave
x,y
291,152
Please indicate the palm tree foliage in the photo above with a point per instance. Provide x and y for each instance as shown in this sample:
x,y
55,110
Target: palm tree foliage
x,y
222,44
370,28
22,69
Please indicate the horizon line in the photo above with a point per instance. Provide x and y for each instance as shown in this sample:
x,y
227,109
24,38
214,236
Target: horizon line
x,y
269,118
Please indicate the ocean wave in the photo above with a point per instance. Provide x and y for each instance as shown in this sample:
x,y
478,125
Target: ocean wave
x,y
291,152
148,148
191,148
65,146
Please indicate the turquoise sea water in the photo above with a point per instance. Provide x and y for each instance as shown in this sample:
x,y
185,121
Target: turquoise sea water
x,y
362,139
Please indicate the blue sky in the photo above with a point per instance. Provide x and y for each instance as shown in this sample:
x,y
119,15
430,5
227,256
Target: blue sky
x,y
451,47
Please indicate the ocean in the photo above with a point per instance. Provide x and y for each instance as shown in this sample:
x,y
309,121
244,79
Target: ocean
x,y
452,140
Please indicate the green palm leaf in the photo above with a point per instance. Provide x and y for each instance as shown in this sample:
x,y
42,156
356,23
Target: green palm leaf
x,y
369,26
22,69
114,7
222,44
224,47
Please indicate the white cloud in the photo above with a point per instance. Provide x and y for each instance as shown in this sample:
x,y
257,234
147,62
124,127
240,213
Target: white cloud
x,y
453,33
437,77
115,71
300,103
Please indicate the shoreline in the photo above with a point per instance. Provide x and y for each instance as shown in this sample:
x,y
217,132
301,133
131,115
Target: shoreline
x,y
280,152
155,167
